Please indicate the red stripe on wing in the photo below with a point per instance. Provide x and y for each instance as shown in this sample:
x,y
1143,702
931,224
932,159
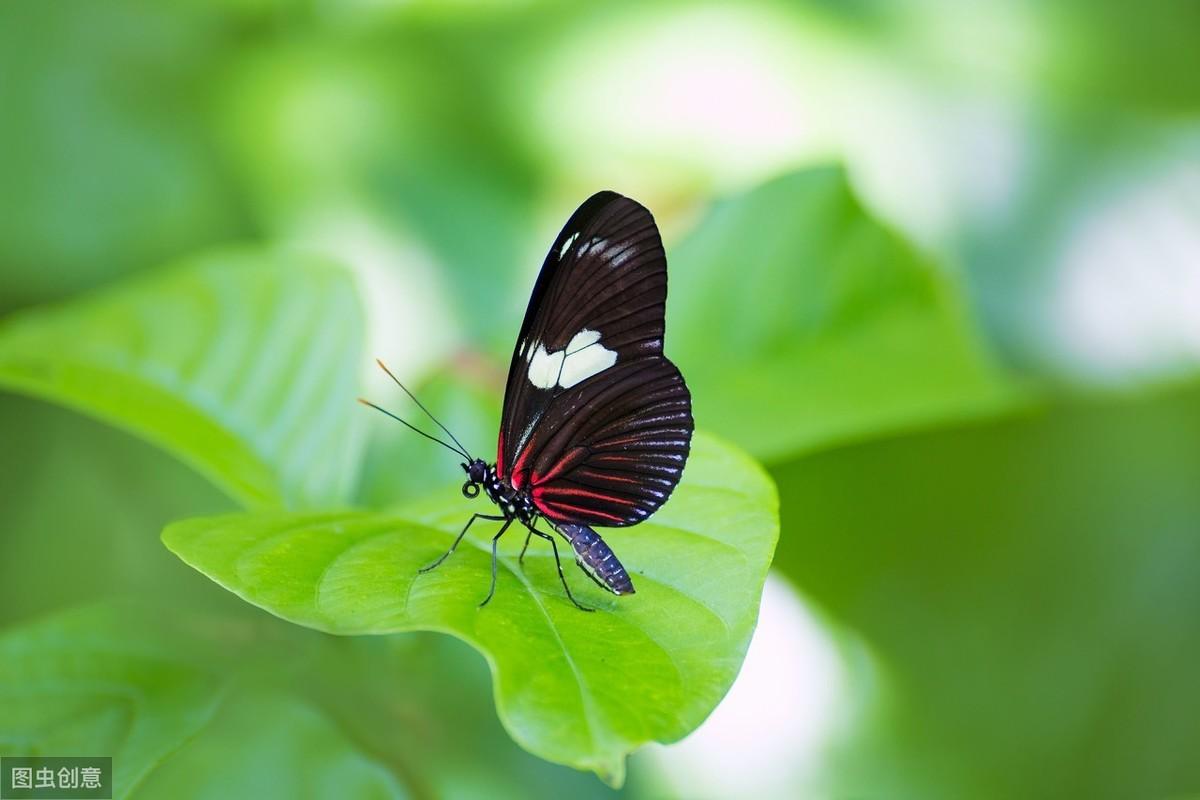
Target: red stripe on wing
x,y
569,460
549,509
606,457
540,492
612,476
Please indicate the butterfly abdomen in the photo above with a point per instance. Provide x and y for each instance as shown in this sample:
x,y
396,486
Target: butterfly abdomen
x,y
596,557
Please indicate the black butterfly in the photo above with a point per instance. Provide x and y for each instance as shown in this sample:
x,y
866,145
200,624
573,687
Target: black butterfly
x,y
597,422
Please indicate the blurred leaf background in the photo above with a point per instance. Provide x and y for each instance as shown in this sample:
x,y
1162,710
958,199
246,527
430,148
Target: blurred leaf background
x,y
937,264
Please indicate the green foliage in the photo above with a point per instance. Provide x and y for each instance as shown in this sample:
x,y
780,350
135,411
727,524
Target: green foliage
x,y
243,364
288,748
197,359
100,177
83,504
1025,585
87,683
162,701
188,705
800,321
577,688
1049,556
235,703
321,131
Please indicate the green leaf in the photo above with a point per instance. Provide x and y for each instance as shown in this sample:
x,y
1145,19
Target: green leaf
x,y
575,688
264,743
242,364
800,321
82,684
109,680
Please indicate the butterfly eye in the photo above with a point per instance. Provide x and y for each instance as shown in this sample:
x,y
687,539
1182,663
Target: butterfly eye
x,y
470,490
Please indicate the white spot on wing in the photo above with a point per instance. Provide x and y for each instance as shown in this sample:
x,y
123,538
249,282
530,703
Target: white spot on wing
x,y
583,364
544,367
621,257
562,252
582,340
583,357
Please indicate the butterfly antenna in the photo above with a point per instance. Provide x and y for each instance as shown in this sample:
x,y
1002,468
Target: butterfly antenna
x,y
413,397
415,429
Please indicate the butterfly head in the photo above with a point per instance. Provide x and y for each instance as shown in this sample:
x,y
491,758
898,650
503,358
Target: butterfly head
x,y
476,474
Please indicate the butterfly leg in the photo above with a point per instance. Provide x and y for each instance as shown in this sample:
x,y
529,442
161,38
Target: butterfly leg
x,y
495,541
528,536
461,534
557,563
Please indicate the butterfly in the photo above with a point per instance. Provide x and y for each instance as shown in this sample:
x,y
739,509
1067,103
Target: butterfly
x,y
597,422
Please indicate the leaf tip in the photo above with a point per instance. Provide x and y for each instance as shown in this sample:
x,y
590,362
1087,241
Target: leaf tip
x,y
612,772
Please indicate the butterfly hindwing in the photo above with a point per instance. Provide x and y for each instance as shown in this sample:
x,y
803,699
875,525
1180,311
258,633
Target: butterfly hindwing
x,y
610,451
597,422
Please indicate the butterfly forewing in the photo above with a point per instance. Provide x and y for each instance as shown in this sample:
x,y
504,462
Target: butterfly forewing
x,y
597,422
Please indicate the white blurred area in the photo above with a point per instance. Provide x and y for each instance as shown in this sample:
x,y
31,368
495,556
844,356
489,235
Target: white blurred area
x,y
935,131
664,102
712,98
1124,300
771,735
949,161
